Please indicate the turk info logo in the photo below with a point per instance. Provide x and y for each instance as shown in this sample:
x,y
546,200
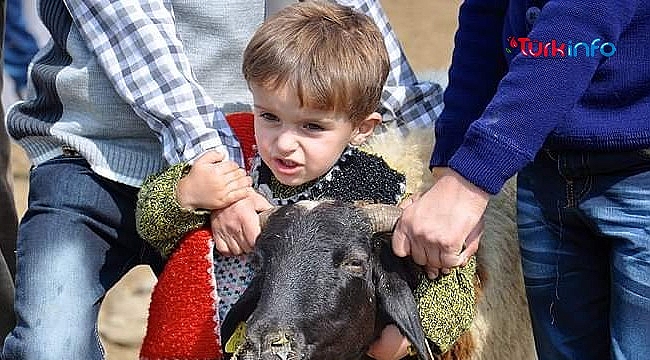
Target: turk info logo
x,y
553,48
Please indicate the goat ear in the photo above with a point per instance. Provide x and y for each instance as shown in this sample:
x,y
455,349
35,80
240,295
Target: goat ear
x,y
241,310
397,302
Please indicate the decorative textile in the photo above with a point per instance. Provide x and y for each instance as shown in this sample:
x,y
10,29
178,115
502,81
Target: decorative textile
x,y
447,305
182,320
156,200
242,124
159,216
356,176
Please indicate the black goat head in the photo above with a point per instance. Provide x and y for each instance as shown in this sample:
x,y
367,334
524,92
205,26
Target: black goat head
x,y
325,286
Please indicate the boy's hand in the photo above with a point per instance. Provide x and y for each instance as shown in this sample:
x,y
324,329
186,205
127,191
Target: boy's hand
x,y
235,228
213,183
391,345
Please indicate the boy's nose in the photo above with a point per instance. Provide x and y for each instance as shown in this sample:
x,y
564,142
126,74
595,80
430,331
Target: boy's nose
x,y
286,142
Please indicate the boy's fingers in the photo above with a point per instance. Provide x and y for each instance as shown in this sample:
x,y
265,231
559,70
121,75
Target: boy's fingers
x,y
239,193
223,245
243,242
227,167
249,233
210,157
232,182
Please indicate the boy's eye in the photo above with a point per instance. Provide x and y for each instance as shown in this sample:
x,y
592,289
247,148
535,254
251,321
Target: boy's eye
x,y
313,127
269,117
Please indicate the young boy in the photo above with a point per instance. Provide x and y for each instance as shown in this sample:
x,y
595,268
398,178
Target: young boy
x,y
316,72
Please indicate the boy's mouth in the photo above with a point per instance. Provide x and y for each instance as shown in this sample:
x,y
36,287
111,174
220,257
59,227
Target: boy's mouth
x,y
285,165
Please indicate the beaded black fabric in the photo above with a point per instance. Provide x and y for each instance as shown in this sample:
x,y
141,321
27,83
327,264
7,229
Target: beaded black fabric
x,y
356,176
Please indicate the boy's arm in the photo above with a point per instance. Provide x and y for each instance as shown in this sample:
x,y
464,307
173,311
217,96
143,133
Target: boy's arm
x,y
405,100
137,46
175,201
160,219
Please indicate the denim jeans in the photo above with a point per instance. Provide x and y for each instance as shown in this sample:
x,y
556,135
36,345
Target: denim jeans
x,y
584,230
75,242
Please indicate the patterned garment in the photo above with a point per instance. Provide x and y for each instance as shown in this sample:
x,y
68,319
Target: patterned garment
x,y
163,222
356,176
446,305
232,275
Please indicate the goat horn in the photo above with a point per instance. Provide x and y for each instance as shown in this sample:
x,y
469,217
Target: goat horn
x,y
382,217
264,215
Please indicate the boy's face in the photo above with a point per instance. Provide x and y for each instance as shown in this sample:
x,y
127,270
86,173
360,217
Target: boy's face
x,y
301,144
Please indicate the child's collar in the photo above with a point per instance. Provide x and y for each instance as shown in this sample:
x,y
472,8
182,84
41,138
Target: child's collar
x,y
263,179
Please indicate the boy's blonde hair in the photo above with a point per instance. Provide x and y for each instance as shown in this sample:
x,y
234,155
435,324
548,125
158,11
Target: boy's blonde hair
x,y
333,56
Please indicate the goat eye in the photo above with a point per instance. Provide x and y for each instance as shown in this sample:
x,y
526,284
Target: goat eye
x,y
354,266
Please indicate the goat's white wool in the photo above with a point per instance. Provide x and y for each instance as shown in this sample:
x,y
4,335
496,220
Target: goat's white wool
x,y
501,329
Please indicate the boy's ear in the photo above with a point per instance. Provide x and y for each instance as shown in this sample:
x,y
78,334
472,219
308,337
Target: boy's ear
x,y
365,128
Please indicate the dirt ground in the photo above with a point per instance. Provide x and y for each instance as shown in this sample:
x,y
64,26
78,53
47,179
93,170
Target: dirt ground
x,y
425,29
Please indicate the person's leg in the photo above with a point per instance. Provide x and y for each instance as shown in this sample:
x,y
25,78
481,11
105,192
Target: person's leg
x,y
20,45
8,217
7,320
75,241
618,206
565,266
9,221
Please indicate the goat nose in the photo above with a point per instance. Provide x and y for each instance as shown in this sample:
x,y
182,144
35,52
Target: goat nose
x,y
279,344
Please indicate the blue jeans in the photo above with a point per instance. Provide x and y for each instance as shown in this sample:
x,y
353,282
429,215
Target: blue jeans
x,y
584,230
77,239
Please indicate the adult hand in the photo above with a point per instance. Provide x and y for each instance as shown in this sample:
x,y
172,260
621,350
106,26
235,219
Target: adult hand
x,y
213,183
235,228
391,345
441,229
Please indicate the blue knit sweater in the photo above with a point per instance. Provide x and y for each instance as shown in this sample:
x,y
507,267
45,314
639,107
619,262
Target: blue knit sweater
x,y
507,97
